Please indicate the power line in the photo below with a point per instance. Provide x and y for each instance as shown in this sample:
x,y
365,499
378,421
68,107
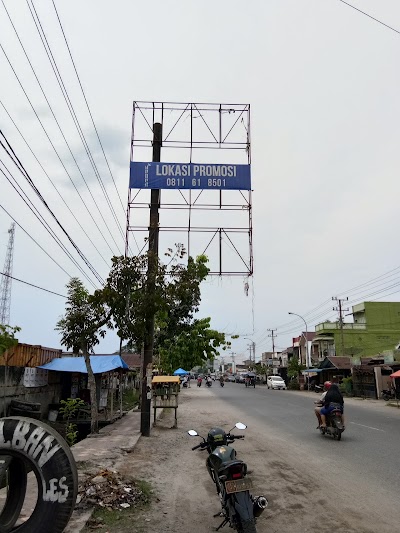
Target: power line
x,y
41,219
369,16
90,113
292,325
23,171
32,285
71,109
30,236
55,150
52,182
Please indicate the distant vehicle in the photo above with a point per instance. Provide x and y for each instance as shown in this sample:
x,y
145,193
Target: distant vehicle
x,y
276,382
239,378
231,378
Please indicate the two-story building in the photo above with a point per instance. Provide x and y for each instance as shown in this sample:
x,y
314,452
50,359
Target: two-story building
x,y
375,328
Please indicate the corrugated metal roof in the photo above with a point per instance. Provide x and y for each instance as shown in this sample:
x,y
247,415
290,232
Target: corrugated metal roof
x,y
27,355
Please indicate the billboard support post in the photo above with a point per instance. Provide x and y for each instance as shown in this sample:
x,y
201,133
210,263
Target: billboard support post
x,y
151,285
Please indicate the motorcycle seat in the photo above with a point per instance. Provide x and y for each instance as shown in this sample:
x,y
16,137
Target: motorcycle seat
x,y
227,464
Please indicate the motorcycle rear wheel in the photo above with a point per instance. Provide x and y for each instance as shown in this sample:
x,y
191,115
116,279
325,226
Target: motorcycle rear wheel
x,y
248,527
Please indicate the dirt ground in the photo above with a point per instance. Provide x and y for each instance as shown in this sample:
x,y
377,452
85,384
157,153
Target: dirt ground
x,y
184,499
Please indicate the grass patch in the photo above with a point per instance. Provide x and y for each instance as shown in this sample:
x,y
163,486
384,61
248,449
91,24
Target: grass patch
x,y
121,519
130,399
146,489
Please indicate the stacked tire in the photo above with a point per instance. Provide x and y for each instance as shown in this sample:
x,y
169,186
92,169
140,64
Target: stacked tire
x,y
29,409
33,452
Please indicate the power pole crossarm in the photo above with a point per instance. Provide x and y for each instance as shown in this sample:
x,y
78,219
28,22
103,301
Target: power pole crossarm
x,y
5,283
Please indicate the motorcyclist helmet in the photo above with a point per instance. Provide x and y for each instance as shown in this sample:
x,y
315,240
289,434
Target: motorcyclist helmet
x,y
327,385
216,437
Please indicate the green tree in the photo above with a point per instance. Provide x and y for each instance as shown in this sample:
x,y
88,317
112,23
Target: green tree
x,y
174,302
86,320
7,337
295,368
192,346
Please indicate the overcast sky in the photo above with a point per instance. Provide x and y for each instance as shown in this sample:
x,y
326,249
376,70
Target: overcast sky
x,y
323,83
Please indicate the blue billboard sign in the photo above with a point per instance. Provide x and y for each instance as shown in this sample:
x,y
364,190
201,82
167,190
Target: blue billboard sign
x,y
189,176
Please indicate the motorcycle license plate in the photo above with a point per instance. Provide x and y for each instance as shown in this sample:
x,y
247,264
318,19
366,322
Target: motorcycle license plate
x,y
238,485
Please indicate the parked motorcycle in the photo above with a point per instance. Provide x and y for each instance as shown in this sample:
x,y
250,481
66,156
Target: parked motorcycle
x,y
319,388
334,425
388,394
239,508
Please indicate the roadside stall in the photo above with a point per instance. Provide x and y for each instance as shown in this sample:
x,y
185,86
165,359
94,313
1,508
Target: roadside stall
x,y
108,376
165,390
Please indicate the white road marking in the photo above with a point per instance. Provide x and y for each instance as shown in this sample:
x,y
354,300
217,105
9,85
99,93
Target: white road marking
x,y
369,427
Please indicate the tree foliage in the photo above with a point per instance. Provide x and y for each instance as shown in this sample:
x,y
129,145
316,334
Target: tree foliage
x,y
126,303
180,339
86,320
294,367
193,345
87,317
7,337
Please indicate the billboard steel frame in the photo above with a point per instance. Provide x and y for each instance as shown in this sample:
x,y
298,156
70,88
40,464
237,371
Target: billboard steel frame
x,y
225,127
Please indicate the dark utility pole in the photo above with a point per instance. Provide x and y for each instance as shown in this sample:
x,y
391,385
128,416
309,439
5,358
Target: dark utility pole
x,y
273,340
340,310
151,286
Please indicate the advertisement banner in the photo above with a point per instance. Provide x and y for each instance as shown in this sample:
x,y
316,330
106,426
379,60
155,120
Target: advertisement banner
x,y
189,176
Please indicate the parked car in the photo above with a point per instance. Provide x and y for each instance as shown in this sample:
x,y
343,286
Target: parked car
x,y
276,382
231,378
239,378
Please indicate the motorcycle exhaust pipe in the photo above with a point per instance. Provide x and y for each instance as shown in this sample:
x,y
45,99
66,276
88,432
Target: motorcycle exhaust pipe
x,y
259,504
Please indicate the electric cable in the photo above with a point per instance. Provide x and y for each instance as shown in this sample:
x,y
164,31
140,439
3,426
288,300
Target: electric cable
x,y
71,109
44,223
55,150
90,113
34,240
369,16
32,285
30,181
26,175
52,182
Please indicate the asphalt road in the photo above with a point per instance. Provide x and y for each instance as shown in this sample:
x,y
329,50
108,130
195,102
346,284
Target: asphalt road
x,y
363,468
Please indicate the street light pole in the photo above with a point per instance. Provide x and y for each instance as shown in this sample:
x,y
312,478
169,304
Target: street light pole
x,y
307,354
253,344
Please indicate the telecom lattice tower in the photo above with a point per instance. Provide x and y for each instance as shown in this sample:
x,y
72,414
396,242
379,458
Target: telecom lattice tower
x,y
5,284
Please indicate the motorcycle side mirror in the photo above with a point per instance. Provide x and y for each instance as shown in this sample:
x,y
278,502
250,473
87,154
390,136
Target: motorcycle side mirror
x,y
239,425
193,433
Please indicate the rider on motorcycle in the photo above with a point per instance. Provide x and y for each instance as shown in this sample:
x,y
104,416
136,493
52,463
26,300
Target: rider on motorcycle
x,y
221,378
332,399
319,403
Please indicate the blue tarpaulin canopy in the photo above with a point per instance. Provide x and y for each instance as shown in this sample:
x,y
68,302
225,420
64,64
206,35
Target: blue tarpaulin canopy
x,y
312,370
180,372
99,363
